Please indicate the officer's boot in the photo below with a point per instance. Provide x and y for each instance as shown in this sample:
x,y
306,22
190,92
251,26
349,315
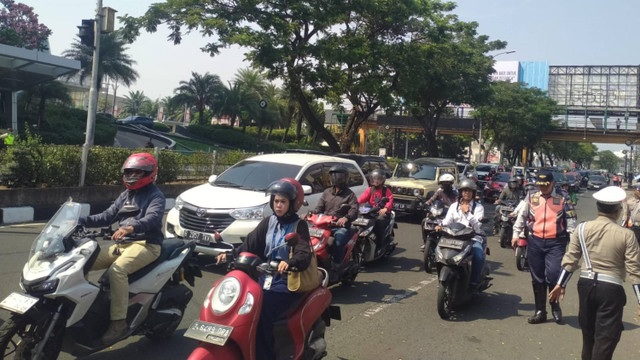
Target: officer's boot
x,y
555,308
540,296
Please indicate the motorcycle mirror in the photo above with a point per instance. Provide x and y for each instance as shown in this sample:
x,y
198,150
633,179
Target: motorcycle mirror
x,y
128,211
292,239
384,200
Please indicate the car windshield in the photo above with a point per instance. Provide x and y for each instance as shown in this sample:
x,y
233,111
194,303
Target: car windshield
x,y
570,177
485,168
501,178
597,178
255,175
416,171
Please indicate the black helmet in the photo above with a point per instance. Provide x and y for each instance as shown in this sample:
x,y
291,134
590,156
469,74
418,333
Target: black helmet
x,y
339,176
467,184
512,183
285,189
379,174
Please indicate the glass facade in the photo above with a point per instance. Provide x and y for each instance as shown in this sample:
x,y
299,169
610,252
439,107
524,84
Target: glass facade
x,y
594,86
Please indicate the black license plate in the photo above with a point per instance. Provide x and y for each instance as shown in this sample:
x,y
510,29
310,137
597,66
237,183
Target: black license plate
x,y
198,237
451,243
399,206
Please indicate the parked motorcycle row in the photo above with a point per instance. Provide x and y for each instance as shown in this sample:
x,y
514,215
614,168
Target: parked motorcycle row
x,y
61,310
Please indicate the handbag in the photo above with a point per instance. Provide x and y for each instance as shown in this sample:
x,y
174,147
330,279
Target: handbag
x,y
306,280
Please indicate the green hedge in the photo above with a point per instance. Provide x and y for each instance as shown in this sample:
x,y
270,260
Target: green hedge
x,y
59,165
161,127
66,125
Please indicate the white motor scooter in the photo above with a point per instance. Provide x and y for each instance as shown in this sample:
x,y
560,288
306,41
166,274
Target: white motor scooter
x,y
60,310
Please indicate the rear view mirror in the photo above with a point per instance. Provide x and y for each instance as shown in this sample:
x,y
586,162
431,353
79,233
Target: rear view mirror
x,y
212,178
306,189
292,239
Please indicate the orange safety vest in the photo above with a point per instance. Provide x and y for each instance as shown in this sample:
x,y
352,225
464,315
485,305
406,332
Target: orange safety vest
x,y
546,216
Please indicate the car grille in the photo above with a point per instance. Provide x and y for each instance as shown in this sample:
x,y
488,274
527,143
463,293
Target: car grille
x,y
405,191
207,223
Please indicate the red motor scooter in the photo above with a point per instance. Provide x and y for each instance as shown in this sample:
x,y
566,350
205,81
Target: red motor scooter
x,y
321,239
229,316
521,253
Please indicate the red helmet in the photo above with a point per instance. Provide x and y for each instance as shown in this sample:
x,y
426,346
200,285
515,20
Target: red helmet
x,y
140,161
289,188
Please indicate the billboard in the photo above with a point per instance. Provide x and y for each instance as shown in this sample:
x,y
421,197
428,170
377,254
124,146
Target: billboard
x,y
505,71
594,86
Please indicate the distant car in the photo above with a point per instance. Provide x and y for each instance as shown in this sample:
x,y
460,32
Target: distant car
x,y
597,182
494,187
136,120
484,173
303,151
574,180
368,163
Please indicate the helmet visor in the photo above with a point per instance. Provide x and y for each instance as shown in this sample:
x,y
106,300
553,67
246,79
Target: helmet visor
x,y
338,179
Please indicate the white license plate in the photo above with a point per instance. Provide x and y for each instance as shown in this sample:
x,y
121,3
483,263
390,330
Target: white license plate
x,y
315,232
209,332
18,303
398,206
200,238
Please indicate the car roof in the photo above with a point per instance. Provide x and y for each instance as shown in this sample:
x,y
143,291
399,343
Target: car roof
x,y
433,161
360,156
299,158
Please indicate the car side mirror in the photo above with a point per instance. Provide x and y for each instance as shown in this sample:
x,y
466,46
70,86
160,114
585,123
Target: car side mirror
x,y
306,189
212,178
292,239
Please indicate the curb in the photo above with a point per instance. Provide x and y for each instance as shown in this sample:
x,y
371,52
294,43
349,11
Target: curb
x,y
26,214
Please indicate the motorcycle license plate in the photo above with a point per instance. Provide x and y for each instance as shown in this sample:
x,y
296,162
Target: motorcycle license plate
x,y
209,332
398,206
18,303
198,237
315,232
360,222
451,243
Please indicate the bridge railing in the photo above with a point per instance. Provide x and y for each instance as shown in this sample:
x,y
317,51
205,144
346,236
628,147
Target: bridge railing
x,y
596,123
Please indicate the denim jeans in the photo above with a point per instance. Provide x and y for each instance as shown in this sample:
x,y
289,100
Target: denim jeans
x,y
341,236
478,261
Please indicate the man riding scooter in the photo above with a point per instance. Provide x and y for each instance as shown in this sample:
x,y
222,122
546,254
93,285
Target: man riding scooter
x,y
139,174
374,196
511,192
446,193
330,204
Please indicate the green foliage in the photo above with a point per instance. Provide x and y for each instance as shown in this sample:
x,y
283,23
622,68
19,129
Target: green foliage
x,y
608,160
161,127
66,125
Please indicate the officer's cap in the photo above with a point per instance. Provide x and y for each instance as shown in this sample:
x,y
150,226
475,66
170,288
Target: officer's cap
x,y
544,178
610,195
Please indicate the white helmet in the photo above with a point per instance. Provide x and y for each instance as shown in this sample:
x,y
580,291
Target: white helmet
x,y
446,178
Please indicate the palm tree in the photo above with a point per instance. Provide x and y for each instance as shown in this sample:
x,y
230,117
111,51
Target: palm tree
x,y
134,102
52,90
201,92
114,61
171,109
253,84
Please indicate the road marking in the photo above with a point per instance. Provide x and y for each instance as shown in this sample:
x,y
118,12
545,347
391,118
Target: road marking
x,y
397,298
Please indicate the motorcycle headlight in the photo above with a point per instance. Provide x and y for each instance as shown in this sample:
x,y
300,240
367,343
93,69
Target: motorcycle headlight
x,y
225,295
179,203
439,256
247,306
456,259
252,213
47,286
366,232
435,211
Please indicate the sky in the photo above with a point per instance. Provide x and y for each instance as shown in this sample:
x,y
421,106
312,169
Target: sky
x,y
561,32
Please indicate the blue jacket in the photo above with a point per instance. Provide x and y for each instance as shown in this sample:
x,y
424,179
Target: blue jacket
x,y
151,202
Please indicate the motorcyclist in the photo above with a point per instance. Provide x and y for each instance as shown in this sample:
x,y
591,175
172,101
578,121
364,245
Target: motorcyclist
x,y
331,202
511,192
139,174
470,213
286,199
446,193
373,196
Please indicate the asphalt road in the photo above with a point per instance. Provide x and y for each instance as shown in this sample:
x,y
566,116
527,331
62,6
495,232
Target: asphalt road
x,y
130,140
390,313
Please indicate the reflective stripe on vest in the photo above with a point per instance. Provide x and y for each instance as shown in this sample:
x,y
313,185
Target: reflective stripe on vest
x,y
547,214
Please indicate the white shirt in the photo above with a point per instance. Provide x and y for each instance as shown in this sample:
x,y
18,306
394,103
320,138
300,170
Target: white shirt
x,y
455,214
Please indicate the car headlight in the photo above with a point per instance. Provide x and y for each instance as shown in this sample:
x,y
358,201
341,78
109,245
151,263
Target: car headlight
x,y
417,192
252,213
225,295
179,203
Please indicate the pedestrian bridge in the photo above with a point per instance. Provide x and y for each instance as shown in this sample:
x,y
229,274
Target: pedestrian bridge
x,y
576,129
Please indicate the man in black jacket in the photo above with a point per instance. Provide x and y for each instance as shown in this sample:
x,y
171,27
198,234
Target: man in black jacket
x,y
139,173
331,202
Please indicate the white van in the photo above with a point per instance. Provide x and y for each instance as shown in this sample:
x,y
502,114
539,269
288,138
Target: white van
x,y
233,203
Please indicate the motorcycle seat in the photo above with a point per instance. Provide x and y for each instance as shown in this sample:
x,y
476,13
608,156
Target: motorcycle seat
x,y
170,249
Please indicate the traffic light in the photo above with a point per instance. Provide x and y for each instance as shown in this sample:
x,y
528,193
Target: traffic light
x,y
86,32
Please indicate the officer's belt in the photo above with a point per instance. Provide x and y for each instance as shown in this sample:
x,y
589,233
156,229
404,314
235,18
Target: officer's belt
x,y
601,277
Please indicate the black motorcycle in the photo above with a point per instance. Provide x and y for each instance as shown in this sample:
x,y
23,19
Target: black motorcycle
x,y
454,256
507,218
430,236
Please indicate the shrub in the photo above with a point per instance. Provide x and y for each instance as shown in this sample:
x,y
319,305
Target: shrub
x,y
161,127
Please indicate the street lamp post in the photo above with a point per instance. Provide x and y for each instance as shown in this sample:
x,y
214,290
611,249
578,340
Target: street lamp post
x,y
503,53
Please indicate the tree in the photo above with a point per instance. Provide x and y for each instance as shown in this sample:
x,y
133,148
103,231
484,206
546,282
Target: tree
x,y
19,27
114,61
201,92
516,116
44,92
134,102
172,110
608,160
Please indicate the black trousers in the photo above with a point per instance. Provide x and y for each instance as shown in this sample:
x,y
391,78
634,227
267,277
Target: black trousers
x,y
636,231
600,317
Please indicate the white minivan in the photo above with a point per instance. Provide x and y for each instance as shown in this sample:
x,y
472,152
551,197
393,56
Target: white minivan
x,y
234,202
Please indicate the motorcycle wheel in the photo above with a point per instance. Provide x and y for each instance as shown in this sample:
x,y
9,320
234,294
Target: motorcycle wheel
x,y
505,237
20,335
445,305
521,258
163,333
428,256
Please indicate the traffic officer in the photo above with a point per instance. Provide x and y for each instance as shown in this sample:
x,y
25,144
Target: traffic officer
x,y
549,218
631,212
7,138
609,252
